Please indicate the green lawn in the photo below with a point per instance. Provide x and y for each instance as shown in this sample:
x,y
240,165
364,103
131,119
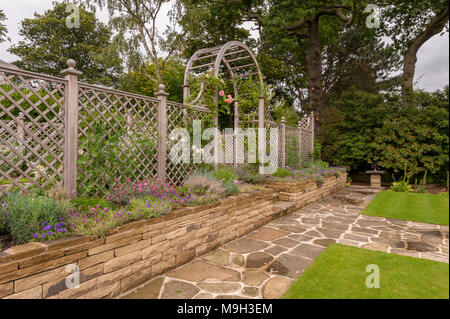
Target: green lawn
x,y
340,273
426,208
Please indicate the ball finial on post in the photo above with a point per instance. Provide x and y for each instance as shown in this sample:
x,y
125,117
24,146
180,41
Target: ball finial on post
x,y
71,63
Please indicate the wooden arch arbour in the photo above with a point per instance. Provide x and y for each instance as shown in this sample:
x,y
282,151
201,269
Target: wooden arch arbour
x,y
233,55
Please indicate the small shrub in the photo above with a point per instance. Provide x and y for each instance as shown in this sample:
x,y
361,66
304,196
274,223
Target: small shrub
x,y
203,182
26,214
149,207
225,174
422,187
401,186
282,172
318,165
231,188
249,173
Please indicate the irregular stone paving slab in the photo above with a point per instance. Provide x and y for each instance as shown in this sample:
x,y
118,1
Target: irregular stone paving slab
x,y
245,245
179,290
286,242
219,257
250,291
307,250
275,250
276,287
237,261
254,277
281,250
200,270
149,291
258,260
267,234
219,288
289,265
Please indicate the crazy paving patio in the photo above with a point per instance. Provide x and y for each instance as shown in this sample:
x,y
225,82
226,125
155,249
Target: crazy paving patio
x,y
265,262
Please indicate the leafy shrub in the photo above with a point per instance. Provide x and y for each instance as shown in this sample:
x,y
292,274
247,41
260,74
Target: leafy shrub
x,y
202,182
249,173
422,187
225,174
231,188
282,172
26,214
360,132
401,186
318,165
149,207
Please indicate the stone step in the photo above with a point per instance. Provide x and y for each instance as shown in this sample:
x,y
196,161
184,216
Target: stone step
x,y
282,206
349,198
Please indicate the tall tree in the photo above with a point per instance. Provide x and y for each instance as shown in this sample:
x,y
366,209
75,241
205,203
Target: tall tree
x,y
308,18
360,60
411,23
3,30
210,23
138,34
48,44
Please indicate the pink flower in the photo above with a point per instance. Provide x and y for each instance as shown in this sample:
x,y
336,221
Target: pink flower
x,y
108,198
128,180
222,93
227,101
222,81
230,96
93,209
140,189
235,182
116,179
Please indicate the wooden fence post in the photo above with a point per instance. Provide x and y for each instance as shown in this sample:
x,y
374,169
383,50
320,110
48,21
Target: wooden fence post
x,y
162,133
311,127
261,137
70,128
299,129
283,142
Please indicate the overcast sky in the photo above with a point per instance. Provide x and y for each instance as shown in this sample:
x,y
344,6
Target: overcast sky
x,y
432,68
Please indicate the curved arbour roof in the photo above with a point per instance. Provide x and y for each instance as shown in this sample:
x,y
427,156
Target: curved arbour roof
x,y
233,57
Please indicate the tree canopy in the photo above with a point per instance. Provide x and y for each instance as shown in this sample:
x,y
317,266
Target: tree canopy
x,y
3,30
48,44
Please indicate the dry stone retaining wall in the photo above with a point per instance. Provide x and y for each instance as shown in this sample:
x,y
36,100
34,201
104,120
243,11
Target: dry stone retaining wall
x,y
136,252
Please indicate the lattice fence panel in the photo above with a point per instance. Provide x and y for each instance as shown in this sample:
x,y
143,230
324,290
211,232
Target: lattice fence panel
x,y
292,147
181,116
117,134
307,139
32,130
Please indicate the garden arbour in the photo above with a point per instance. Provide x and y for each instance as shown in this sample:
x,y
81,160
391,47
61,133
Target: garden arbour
x,y
62,132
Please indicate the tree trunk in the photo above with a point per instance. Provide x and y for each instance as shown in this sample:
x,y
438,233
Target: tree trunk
x,y
409,63
314,66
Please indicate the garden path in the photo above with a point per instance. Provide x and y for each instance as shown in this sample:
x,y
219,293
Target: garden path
x,y
266,261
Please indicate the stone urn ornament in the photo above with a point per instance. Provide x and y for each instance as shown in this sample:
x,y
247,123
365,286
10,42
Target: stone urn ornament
x,y
375,175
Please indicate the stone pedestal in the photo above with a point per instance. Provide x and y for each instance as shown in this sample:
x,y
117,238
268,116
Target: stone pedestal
x,y
375,178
